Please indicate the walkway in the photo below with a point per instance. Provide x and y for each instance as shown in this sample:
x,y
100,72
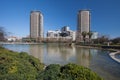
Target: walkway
x,y
112,55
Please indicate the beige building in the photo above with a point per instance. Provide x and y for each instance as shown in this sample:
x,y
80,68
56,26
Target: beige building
x,y
36,24
83,23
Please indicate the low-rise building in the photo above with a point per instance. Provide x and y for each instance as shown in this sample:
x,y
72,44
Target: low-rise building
x,y
12,39
94,35
53,34
65,32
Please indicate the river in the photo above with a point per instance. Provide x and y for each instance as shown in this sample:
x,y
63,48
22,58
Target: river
x,y
95,59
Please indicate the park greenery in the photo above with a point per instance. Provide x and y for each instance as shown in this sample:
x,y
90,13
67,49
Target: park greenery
x,y
68,72
14,66
21,66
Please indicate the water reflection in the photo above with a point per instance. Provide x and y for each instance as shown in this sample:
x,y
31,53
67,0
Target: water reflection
x,y
83,56
67,52
59,54
56,53
37,51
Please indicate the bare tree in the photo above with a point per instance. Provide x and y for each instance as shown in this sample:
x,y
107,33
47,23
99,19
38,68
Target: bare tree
x,y
2,34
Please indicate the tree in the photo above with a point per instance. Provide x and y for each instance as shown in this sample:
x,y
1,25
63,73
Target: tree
x,y
84,34
101,40
90,35
116,40
2,34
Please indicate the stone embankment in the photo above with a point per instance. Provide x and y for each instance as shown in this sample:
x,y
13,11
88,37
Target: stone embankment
x,y
112,55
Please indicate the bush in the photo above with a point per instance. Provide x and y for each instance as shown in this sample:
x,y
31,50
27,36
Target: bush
x,y
18,66
68,72
75,72
51,72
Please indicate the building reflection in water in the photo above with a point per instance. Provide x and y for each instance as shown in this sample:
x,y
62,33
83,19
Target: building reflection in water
x,y
52,54
83,56
37,51
67,52
59,54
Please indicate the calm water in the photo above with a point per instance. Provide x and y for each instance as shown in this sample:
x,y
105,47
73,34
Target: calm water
x,y
97,60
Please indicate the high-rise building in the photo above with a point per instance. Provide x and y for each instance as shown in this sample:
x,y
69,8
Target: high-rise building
x,y
36,24
83,24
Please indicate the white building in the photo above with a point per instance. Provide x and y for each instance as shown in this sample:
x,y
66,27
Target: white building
x,y
64,33
95,35
53,34
73,35
12,39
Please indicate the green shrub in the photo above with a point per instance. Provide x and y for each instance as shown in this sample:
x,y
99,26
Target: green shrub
x,y
18,66
75,72
50,73
67,72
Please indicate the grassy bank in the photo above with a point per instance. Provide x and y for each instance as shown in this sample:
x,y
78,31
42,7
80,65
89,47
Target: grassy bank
x,y
21,66
18,66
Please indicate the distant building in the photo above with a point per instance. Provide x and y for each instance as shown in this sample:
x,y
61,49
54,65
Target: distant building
x,y
64,33
12,39
36,24
83,23
53,34
73,35
65,28
94,35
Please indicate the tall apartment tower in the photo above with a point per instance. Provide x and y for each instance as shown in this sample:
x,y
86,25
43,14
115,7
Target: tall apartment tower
x,y
36,24
83,23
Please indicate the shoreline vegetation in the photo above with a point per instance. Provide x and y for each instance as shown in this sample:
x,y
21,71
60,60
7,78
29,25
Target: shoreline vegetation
x,y
21,66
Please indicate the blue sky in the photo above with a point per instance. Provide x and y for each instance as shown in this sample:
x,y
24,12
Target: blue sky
x,y
15,15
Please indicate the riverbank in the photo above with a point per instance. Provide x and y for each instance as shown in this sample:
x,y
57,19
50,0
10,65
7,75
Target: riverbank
x,y
19,43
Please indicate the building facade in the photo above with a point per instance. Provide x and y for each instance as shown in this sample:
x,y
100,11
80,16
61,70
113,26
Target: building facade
x,y
95,35
65,28
12,39
53,34
36,24
65,32
83,23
